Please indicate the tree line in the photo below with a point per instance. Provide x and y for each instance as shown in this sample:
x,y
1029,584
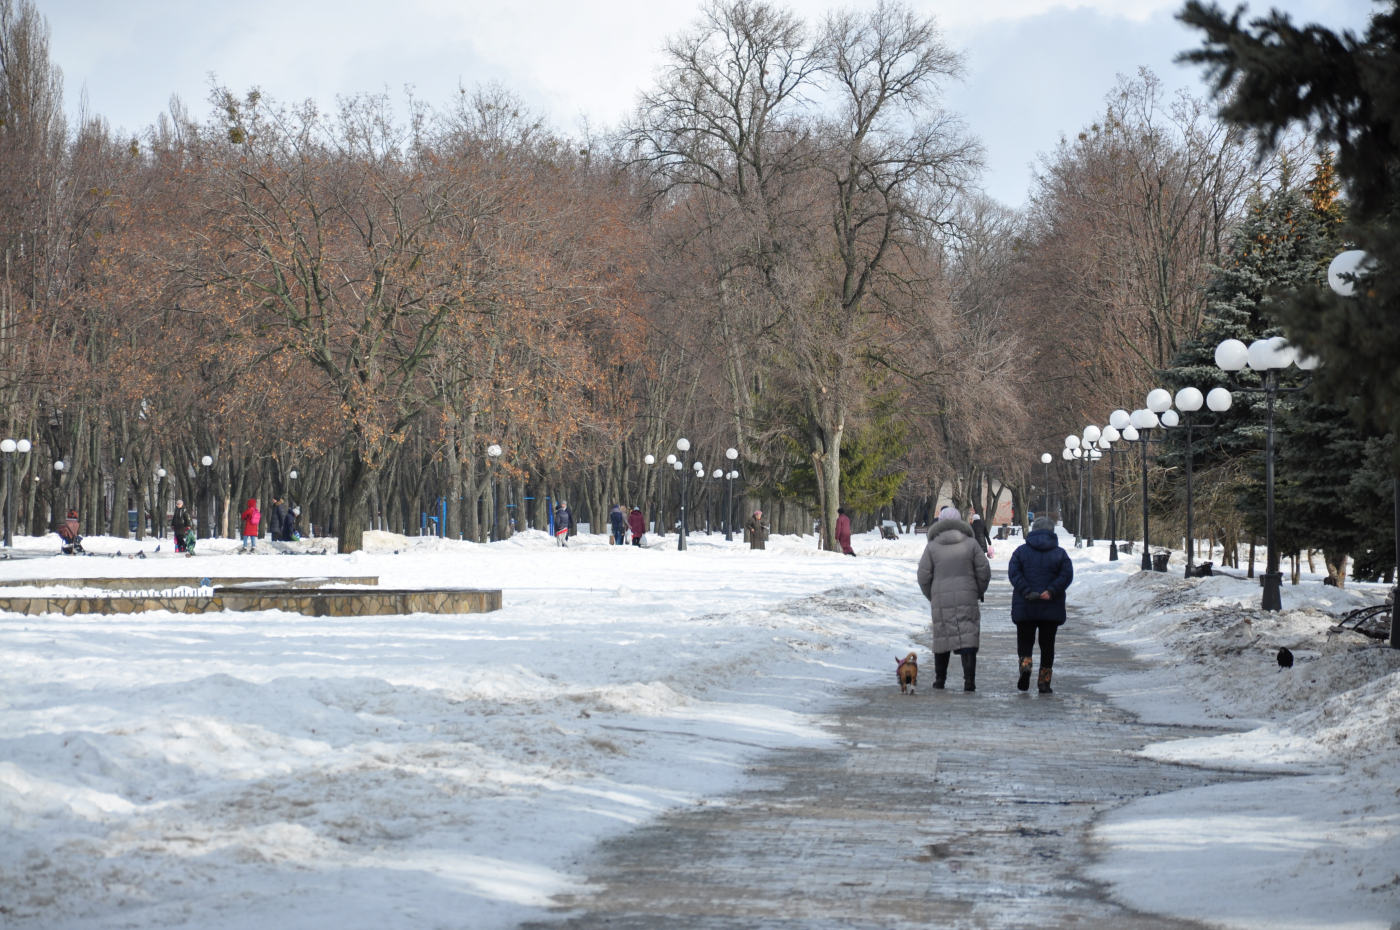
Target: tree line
x,y
783,250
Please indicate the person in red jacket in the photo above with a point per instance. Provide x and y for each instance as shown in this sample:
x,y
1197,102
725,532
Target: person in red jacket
x,y
843,532
251,518
637,523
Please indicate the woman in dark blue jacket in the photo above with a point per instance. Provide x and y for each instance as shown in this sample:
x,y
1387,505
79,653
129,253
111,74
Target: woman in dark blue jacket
x,y
1040,573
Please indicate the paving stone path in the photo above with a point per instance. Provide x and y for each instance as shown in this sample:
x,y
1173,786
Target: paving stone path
x,y
941,810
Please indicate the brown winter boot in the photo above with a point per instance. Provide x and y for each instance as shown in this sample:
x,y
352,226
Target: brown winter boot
x,y
1044,682
1024,682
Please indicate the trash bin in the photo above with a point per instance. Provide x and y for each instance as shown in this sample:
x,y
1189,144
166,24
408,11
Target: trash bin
x,y
1204,570
1159,561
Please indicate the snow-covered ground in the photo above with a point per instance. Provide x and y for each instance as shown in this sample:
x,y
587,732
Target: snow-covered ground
x,y
274,770
1318,844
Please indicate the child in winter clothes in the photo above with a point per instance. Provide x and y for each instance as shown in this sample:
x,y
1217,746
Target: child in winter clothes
x,y
251,518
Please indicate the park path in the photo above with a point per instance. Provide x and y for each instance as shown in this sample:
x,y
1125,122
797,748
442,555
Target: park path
x,y
946,810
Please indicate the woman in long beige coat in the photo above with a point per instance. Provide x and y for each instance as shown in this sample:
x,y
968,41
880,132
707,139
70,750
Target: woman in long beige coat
x,y
954,574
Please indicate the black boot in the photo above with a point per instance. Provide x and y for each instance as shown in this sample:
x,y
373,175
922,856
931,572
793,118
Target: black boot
x,y
940,669
1044,682
1024,682
969,662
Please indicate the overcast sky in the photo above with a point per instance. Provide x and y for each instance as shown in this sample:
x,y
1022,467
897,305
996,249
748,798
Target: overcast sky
x,y
1037,69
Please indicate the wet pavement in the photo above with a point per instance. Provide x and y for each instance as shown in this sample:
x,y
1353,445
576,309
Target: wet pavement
x,y
945,809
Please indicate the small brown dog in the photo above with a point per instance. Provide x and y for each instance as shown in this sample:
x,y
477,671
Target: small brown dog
x,y
907,671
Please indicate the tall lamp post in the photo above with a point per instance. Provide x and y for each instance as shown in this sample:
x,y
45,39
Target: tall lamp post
x,y
158,519
730,454
493,455
1141,423
649,502
1092,435
1189,400
1072,454
208,463
683,445
1045,459
9,447
1268,358
1341,277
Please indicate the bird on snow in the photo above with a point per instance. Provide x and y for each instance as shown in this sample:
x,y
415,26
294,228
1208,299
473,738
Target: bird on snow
x,y
1285,658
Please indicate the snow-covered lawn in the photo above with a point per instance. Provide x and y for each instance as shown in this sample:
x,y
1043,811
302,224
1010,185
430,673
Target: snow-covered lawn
x,y
267,769
1318,846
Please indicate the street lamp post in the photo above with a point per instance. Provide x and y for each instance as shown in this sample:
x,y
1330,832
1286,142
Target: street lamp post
x,y
208,462
1092,434
649,499
730,454
1341,276
1141,423
9,447
1189,401
1045,459
158,518
493,454
683,445
1267,357
1072,453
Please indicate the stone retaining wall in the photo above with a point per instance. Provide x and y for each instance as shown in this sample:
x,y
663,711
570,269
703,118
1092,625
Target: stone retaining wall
x,y
145,584
309,603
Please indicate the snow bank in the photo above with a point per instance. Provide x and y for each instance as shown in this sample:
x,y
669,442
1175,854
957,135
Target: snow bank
x,y
275,770
1308,852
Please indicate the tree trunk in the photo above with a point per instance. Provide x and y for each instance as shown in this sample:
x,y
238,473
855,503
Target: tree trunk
x,y
356,482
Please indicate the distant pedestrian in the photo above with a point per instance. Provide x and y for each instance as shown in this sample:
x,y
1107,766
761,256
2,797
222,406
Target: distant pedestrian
x,y
637,522
954,574
180,524
563,522
1040,573
289,525
979,531
843,532
251,517
617,522
277,519
756,531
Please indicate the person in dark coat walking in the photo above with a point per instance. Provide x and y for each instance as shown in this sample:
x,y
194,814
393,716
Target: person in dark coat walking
x,y
637,523
979,531
843,532
1040,573
563,522
954,574
180,524
617,520
755,530
289,524
279,517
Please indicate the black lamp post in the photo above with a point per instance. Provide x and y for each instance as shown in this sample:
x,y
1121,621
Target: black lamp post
x,y
493,455
158,517
730,454
9,447
1045,459
208,463
1189,401
1140,426
678,464
1118,421
1267,357
1342,273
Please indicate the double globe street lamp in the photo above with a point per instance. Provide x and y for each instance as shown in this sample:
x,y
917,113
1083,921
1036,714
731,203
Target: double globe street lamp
x,y
731,454
10,447
1268,358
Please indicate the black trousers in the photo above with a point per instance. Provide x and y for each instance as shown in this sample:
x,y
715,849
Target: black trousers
x,y
1025,641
